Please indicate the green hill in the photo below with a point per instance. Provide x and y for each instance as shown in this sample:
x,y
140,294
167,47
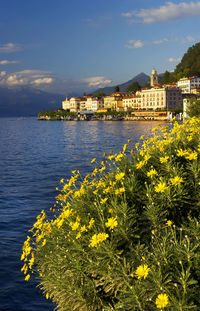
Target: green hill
x,y
188,67
190,63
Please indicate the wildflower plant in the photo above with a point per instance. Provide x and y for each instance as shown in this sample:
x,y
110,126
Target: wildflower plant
x,y
127,236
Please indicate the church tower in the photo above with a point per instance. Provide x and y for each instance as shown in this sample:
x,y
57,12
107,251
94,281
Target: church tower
x,y
154,78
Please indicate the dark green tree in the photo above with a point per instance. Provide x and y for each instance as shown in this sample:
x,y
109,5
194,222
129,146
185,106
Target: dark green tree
x,y
133,87
99,94
193,108
116,89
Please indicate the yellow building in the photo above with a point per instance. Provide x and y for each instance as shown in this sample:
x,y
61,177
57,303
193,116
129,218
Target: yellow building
x,y
111,102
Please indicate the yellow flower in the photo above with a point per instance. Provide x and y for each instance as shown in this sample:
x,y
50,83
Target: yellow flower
x,y
119,157
111,223
137,145
124,148
102,169
97,238
142,271
152,173
27,277
161,187
162,301
164,159
140,164
119,191
169,223
62,180
110,211
176,180
83,228
93,160
74,225
78,236
91,223
120,176
47,296
192,156
103,200
181,152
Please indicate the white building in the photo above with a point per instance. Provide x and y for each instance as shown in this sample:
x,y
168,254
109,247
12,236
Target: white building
x,y
187,84
94,103
72,104
131,102
66,104
162,98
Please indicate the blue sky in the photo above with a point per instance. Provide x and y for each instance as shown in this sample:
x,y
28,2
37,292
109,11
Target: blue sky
x,y
69,46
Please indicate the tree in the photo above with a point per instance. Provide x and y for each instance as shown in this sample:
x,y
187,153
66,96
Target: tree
x,y
193,108
133,87
116,89
99,94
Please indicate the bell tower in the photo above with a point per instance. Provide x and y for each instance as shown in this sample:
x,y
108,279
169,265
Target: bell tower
x,y
154,78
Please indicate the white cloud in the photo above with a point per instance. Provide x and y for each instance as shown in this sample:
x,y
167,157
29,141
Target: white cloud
x,y
40,81
169,11
49,82
2,74
132,44
190,39
160,41
10,47
98,81
26,77
7,62
174,60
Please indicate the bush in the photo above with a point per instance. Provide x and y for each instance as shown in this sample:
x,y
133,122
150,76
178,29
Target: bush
x,y
127,236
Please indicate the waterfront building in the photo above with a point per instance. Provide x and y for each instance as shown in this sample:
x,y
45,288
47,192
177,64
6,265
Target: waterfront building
x,y
153,78
66,104
161,98
111,102
72,104
94,103
187,84
132,102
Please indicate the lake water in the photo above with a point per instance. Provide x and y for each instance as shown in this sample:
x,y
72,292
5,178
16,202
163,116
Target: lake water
x,y
34,156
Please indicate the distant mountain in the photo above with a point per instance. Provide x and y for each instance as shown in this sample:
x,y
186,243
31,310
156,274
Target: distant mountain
x,y
26,101
141,78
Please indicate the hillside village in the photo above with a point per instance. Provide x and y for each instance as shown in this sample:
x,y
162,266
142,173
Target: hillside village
x,y
154,102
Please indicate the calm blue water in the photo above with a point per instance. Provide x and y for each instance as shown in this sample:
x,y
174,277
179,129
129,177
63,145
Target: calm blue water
x,y
34,156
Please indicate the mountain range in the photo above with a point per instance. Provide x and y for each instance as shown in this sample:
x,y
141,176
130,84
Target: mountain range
x,y
141,78
26,101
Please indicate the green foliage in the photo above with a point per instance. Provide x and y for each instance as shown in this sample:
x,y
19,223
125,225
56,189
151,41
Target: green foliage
x,y
56,114
188,67
116,89
193,108
127,236
133,87
100,94
190,61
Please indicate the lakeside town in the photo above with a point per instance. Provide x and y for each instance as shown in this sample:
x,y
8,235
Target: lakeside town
x,y
156,102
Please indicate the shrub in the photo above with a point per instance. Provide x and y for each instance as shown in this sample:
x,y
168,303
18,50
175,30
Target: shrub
x,y
127,236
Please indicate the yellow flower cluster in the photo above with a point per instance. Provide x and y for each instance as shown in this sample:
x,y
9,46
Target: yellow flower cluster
x,y
98,238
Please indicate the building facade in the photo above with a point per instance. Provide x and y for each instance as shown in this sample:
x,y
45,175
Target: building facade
x,y
187,84
162,98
